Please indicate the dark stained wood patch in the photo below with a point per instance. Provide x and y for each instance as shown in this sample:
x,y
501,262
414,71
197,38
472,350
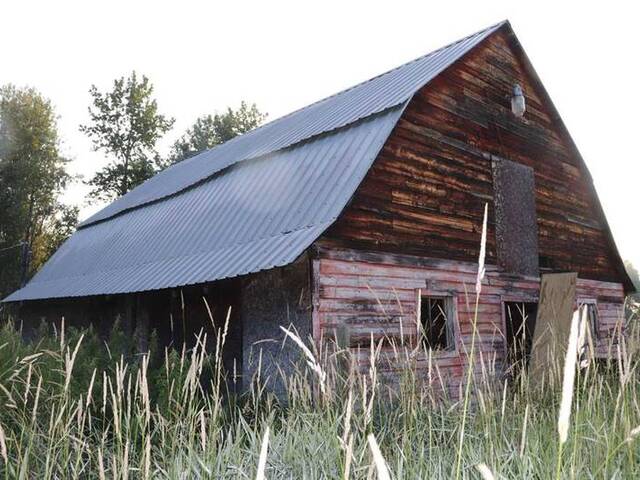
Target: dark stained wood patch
x,y
516,225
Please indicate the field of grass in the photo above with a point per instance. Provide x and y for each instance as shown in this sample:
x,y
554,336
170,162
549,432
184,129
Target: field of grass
x,y
76,406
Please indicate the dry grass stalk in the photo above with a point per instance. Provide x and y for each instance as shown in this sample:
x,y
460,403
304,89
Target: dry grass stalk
x,y
569,374
347,419
485,471
471,355
311,359
483,251
348,458
3,446
69,362
125,461
147,458
380,463
523,438
262,461
36,401
101,473
568,379
632,434
203,431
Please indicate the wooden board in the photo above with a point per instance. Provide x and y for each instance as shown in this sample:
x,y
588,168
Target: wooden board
x,y
553,323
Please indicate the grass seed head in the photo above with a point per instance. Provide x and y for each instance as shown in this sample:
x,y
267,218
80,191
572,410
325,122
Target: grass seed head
x,y
485,471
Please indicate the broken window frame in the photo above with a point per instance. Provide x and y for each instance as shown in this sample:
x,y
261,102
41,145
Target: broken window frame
x,y
504,299
451,322
519,301
593,316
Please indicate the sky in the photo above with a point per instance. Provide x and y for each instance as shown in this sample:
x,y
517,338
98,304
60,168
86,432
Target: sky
x,y
205,56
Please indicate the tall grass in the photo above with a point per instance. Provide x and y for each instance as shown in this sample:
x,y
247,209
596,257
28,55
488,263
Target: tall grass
x,y
73,405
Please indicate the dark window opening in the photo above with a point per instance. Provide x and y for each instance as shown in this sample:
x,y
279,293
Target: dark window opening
x,y
546,263
436,320
520,319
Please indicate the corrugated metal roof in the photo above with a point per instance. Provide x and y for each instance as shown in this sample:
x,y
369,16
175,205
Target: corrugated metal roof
x,y
253,203
373,96
256,215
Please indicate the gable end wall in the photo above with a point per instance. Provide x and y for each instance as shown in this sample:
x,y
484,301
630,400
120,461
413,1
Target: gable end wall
x,y
425,193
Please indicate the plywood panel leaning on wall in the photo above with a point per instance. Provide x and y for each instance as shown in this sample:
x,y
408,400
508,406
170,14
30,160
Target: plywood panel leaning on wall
x,y
553,323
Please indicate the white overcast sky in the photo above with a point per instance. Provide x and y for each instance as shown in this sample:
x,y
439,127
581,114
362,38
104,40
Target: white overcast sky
x,y
205,56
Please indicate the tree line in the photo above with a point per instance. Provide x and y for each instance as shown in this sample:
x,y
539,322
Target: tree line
x,y
125,123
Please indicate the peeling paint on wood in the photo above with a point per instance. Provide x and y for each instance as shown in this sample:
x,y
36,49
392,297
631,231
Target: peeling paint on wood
x,y
374,295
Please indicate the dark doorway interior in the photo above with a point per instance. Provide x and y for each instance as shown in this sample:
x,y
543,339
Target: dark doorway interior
x,y
185,316
520,319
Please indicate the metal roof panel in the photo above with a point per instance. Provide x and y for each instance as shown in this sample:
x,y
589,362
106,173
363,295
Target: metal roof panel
x,y
368,98
256,215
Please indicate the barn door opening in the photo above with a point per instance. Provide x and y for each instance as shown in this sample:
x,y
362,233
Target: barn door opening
x,y
200,313
520,320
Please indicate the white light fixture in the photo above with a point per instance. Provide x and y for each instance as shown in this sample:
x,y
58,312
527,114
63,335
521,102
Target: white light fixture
x,y
518,106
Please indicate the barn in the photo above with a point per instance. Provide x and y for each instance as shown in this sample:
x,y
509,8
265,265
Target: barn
x,y
360,213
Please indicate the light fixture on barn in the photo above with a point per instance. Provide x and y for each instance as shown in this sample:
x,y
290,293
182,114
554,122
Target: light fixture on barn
x,y
518,106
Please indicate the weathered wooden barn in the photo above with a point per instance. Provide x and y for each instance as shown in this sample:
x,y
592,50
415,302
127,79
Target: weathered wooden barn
x,y
361,212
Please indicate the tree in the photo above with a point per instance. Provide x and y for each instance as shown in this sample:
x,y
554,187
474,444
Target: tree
x,y
633,273
58,228
33,222
632,305
126,125
209,131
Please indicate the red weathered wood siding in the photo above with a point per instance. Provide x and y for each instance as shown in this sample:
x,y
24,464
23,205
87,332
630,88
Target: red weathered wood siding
x,y
426,191
375,296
